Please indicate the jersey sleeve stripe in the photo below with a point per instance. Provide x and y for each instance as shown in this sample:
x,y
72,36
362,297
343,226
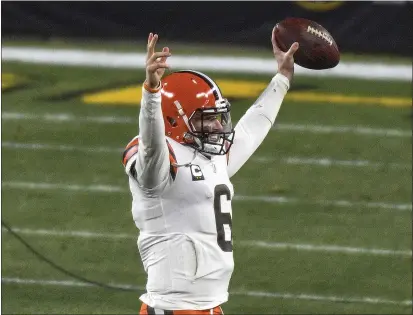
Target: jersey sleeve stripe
x,y
172,161
171,151
131,150
129,153
132,143
173,171
133,169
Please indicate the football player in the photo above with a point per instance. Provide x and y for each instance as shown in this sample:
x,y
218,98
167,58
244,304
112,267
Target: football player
x,y
179,168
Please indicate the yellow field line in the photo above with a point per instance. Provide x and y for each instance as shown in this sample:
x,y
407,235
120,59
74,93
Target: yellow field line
x,y
247,89
124,96
8,80
347,99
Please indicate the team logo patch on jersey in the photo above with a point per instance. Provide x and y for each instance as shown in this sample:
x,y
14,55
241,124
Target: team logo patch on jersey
x,y
196,173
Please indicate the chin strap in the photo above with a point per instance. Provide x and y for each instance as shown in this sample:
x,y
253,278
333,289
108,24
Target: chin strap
x,y
186,164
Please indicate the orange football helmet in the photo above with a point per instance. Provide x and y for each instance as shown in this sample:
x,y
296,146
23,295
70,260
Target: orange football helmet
x,y
189,95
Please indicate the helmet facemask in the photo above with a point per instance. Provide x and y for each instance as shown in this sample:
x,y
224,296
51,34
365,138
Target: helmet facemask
x,y
203,124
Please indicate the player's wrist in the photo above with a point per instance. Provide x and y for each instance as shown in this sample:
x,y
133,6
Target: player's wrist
x,y
283,79
286,73
151,88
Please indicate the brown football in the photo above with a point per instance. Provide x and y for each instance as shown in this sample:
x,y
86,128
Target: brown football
x,y
318,49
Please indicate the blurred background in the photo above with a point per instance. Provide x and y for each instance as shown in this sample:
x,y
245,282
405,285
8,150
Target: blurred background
x,y
359,27
322,215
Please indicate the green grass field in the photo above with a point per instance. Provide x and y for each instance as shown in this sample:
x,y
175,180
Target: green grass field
x,y
338,243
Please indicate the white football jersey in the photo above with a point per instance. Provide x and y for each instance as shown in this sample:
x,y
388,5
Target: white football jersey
x,y
185,239
184,212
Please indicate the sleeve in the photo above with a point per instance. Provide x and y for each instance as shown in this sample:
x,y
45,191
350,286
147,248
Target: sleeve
x,y
253,127
148,157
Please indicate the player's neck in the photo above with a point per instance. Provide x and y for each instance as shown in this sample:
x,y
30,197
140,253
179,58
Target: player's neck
x,y
206,155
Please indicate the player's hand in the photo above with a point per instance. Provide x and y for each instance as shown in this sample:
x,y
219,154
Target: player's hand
x,y
155,62
285,60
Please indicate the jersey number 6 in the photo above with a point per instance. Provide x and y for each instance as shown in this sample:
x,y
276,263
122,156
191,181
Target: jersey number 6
x,y
223,217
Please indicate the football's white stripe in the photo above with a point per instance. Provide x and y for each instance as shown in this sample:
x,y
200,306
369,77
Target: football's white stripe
x,y
243,292
318,129
294,160
259,244
270,199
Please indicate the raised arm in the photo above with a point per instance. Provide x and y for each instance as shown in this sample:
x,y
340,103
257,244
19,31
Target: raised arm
x,y
253,127
148,155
